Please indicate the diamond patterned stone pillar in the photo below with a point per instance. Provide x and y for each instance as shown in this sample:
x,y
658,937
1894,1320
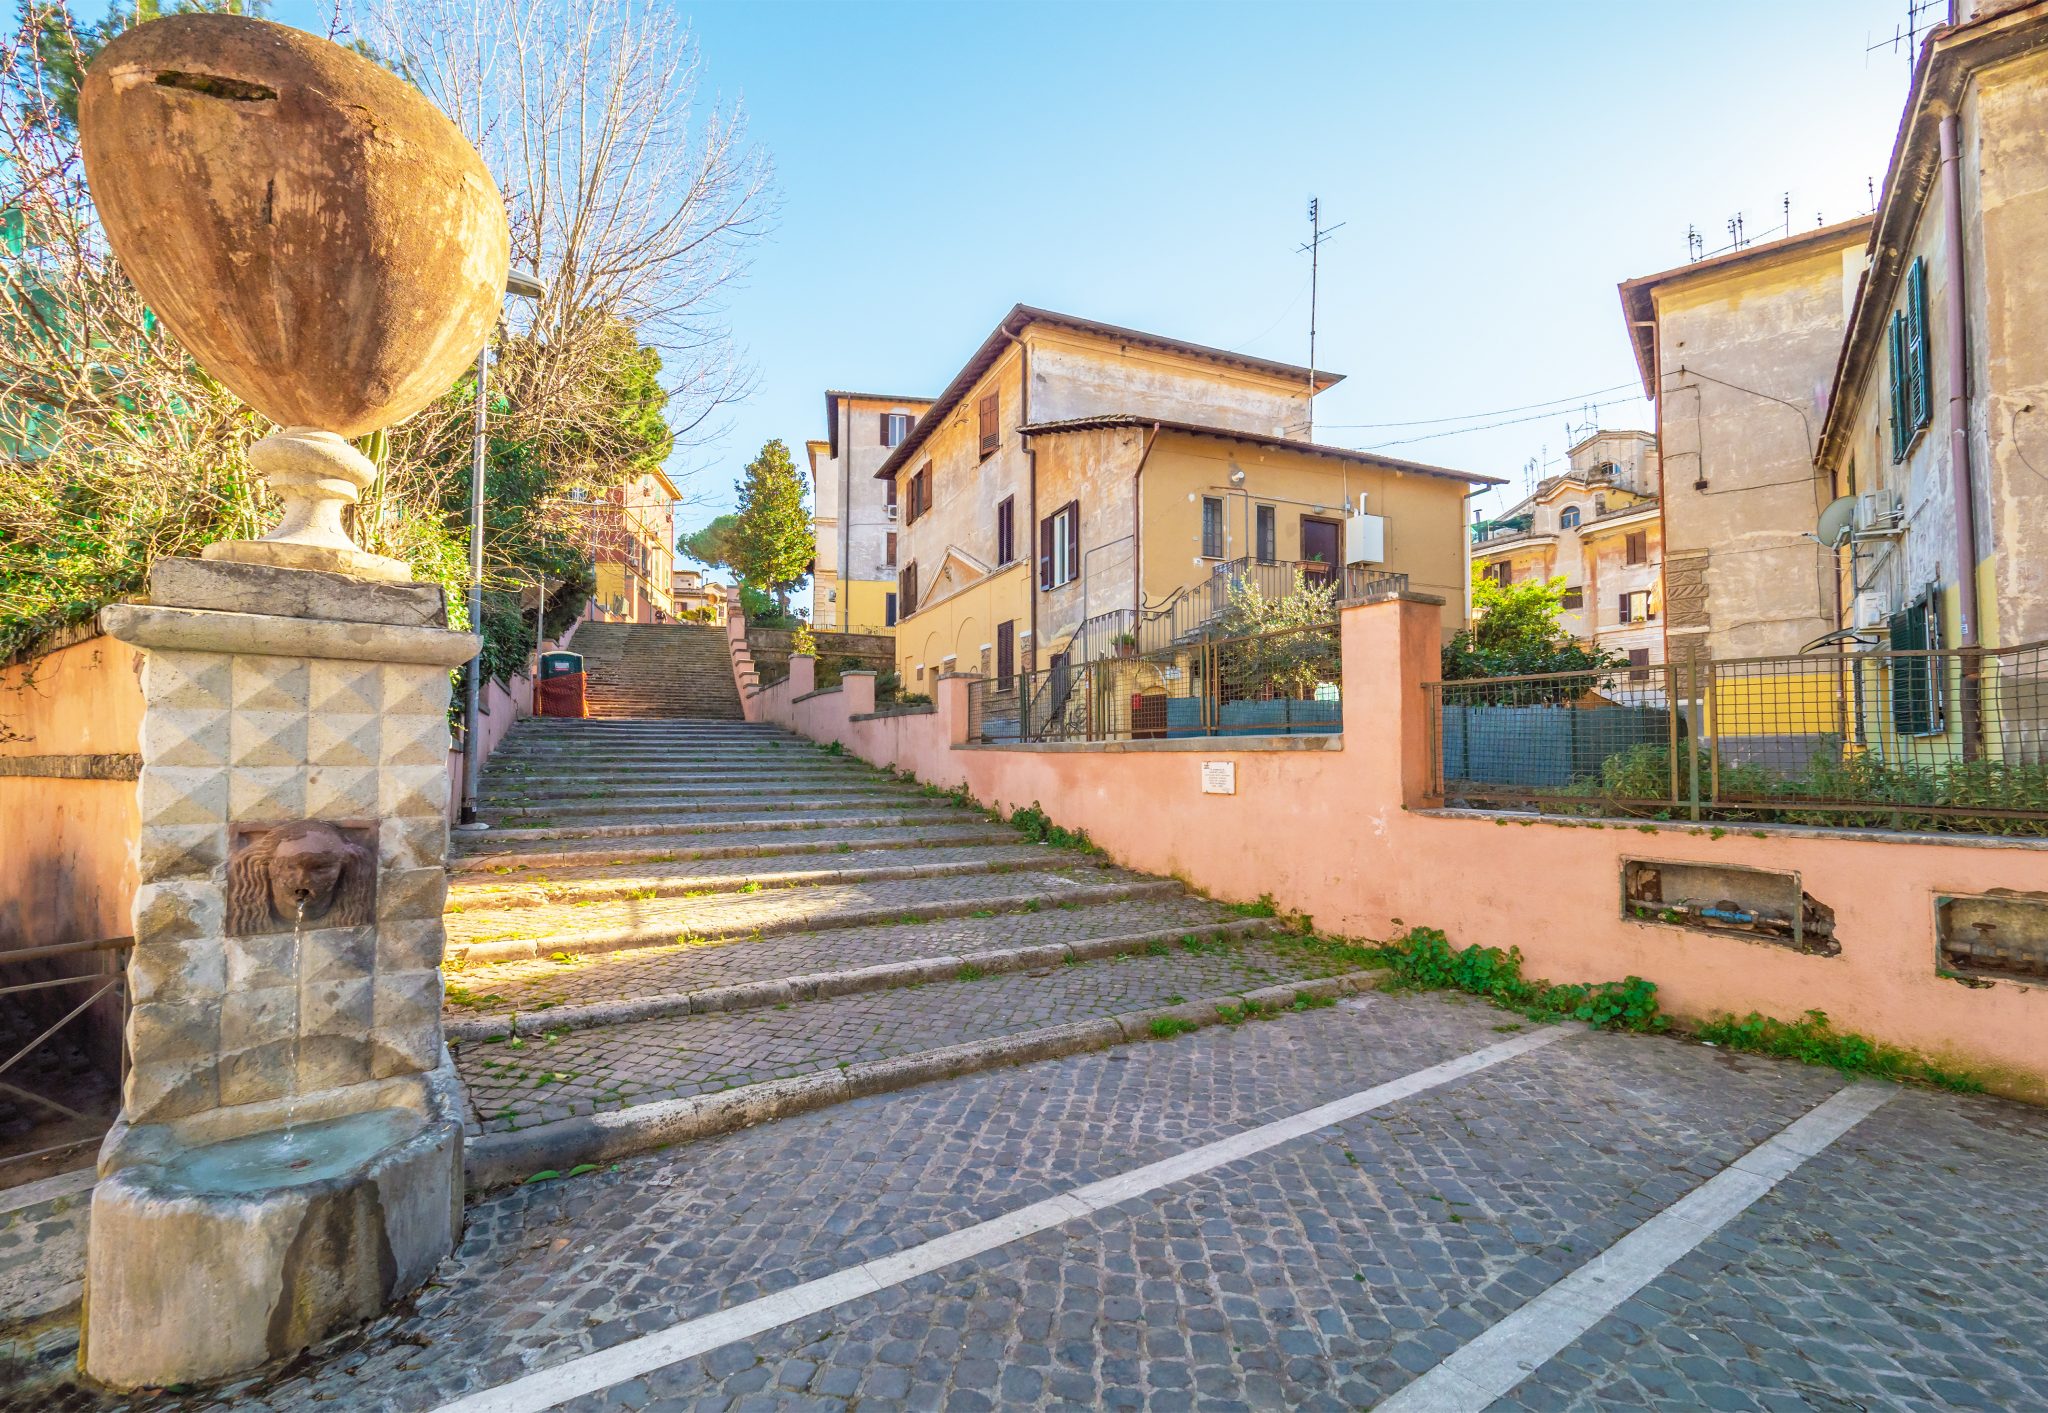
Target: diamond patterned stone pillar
x,y
293,720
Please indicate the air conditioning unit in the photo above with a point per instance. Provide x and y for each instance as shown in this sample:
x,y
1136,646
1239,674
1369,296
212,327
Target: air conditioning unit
x,y
1872,608
892,512
1878,513
1365,537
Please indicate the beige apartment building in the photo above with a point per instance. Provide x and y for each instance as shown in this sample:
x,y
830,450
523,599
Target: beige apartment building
x,y
1077,482
1596,526
853,579
1736,352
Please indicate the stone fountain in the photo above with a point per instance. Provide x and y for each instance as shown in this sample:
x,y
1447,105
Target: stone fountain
x,y
288,1158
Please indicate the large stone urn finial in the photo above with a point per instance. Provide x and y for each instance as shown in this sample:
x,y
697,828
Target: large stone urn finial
x,y
319,236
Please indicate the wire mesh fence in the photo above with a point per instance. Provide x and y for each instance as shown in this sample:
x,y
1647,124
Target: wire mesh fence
x,y
1281,683
1922,740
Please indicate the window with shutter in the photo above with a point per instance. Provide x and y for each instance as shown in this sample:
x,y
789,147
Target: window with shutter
x,y
1006,655
1269,536
1059,546
1073,514
1919,377
1045,529
1916,681
1896,358
1573,600
1212,527
889,610
1637,547
891,548
906,588
1006,531
991,432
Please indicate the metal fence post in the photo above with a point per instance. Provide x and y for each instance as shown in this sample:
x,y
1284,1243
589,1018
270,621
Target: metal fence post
x,y
1694,731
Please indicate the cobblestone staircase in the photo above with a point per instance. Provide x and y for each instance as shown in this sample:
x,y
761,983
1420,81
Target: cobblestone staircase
x,y
639,670
678,928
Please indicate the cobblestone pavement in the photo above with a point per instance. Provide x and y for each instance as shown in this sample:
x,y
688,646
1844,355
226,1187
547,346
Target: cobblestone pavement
x,y
517,1083
541,982
1906,1266
724,913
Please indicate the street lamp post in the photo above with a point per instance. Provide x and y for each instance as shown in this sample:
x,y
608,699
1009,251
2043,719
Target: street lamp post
x,y
526,287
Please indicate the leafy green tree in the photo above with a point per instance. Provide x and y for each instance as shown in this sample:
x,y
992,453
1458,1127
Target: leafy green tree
x,y
771,543
712,545
1272,646
1515,632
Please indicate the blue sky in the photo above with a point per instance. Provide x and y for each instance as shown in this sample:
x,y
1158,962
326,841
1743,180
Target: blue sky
x,y
1498,168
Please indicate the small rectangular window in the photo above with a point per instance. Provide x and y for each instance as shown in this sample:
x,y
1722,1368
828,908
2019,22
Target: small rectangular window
x,y
1212,527
1006,530
1637,546
1059,546
1269,536
1638,659
1573,600
991,430
1635,606
888,610
895,427
891,551
891,485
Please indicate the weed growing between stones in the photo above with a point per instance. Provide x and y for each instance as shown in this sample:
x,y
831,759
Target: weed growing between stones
x,y
1422,959
1166,1027
1813,1039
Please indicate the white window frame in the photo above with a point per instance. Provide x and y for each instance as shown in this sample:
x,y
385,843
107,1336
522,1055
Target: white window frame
x,y
1062,564
899,424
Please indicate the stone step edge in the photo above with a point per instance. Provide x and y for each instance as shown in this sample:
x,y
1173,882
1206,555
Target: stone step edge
x,y
818,986
577,944
506,797
862,799
949,815
488,864
602,890
499,1159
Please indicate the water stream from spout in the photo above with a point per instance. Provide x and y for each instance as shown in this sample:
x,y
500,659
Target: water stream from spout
x,y
291,1093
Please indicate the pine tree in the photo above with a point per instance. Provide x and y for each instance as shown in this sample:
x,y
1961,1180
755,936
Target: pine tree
x,y
771,546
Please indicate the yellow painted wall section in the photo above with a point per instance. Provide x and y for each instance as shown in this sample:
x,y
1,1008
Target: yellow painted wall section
x,y
863,604
959,625
1078,375
1425,515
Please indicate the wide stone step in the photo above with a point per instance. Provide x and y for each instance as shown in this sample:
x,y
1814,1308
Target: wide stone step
x,y
611,880
637,825
505,934
597,1093
681,786
604,803
740,974
515,858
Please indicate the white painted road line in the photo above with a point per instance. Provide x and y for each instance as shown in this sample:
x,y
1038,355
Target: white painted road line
x,y
1489,1366
590,1373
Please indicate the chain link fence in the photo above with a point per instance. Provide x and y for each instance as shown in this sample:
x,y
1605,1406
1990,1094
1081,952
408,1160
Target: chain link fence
x,y
1920,740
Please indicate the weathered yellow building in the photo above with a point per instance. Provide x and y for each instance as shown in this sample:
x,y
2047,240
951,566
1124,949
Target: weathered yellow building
x,y
1736,351
632,549
1596,527
853,578
1077,482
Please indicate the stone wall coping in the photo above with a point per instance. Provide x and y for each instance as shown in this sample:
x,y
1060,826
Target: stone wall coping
x,y
1751,828
268,635
926,709
282,592
821,692
1191,745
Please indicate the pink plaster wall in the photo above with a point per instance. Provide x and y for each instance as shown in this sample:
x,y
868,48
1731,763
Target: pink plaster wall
x,y
504,706
1347,836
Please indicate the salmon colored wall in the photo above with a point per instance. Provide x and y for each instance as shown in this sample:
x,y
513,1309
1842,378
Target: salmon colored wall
x,y
504,706
67,847
1346,835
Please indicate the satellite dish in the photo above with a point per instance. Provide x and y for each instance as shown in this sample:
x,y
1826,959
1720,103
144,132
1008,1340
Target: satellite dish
x,y
1836,521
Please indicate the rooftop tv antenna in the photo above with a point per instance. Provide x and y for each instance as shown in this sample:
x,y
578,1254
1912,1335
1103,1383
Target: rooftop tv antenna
x,y
1906,37
1695,243
1318,233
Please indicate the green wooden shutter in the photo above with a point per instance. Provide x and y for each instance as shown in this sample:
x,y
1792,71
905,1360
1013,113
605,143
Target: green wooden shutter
x,y
1919,378
1916,707
1896,346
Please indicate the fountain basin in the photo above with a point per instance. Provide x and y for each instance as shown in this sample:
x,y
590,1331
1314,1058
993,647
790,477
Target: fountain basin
x,y
214,1259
